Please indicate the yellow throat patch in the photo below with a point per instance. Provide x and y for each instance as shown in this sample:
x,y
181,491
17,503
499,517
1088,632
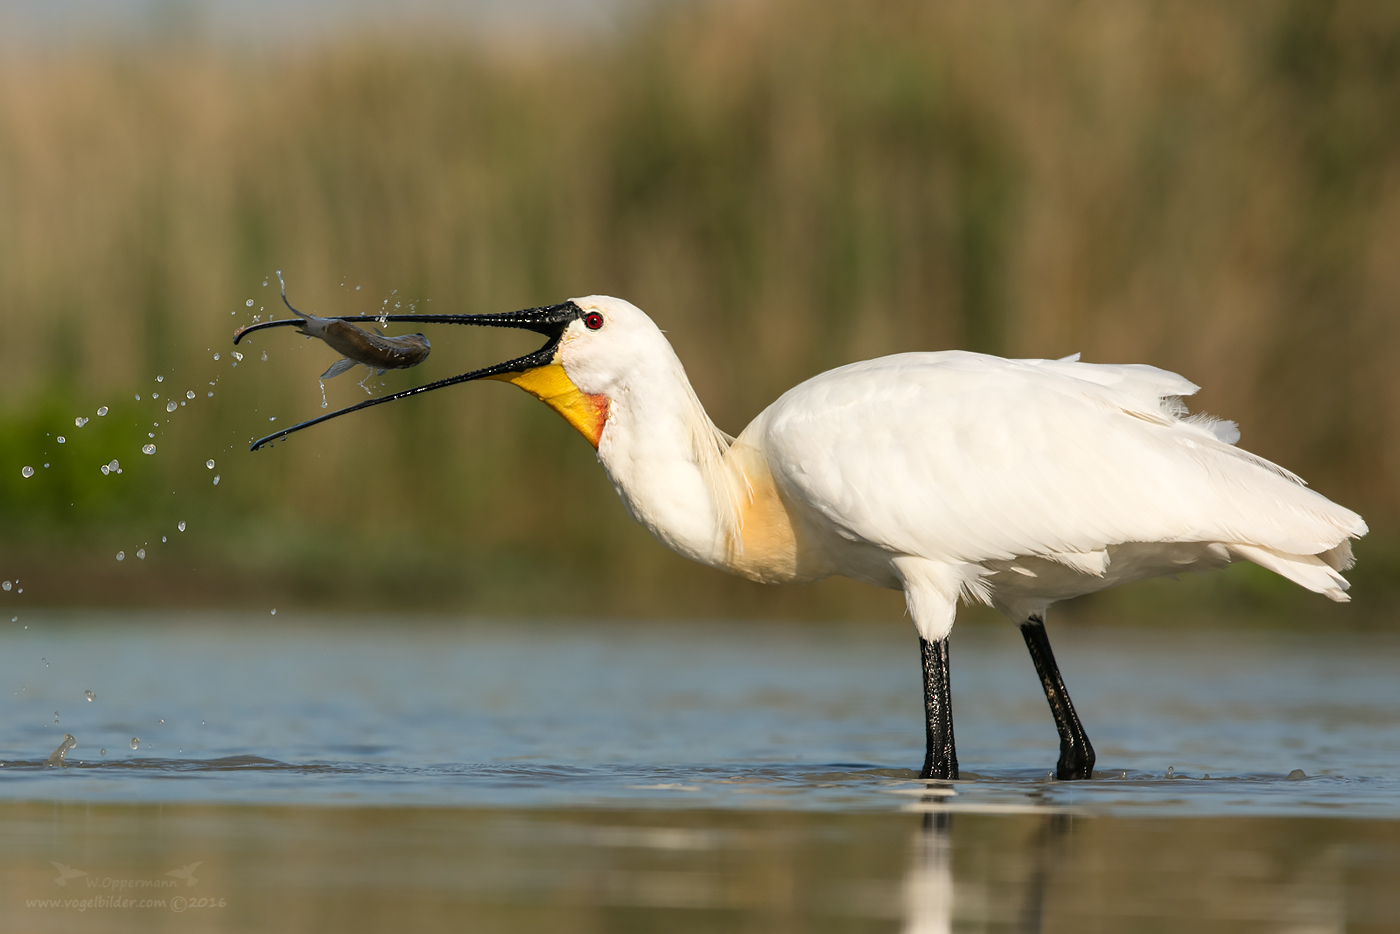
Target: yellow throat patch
x,y
551,385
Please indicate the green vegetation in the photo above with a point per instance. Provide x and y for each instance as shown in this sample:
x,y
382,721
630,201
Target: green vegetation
x,y
1211,188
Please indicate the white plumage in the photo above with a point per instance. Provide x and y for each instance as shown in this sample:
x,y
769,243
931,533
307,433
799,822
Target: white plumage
x,y
950,475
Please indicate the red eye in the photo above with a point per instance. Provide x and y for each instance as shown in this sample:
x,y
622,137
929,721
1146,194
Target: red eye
x,y
593,321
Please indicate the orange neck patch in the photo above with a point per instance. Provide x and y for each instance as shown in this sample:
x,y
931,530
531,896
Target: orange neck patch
x,y
588,413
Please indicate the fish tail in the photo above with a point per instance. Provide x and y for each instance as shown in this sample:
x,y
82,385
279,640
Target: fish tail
x,y
283,284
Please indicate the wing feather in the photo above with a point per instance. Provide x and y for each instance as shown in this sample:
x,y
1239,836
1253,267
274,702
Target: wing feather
x,y
966,458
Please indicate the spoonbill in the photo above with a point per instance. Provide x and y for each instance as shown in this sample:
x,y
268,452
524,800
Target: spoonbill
x,y
951,476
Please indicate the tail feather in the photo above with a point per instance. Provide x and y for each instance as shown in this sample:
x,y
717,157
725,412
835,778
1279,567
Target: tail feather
x,y
1315,572
1339,558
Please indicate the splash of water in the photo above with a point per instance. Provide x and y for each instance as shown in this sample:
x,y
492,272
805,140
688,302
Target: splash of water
x,y
61,753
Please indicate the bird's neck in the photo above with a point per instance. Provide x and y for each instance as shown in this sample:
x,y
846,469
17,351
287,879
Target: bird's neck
x,y
701,493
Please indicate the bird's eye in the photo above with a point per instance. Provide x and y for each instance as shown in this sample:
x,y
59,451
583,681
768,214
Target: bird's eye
x,y
593,321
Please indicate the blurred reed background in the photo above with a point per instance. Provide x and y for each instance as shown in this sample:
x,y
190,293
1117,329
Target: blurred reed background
x,y
785,186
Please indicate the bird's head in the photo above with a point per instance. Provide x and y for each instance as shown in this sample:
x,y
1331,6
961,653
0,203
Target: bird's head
x,y
597,355
595,348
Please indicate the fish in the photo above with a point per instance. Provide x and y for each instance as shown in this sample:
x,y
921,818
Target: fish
x,y
375,350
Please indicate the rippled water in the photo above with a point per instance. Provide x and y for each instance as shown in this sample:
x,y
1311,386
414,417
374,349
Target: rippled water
x,y
643,769
708,714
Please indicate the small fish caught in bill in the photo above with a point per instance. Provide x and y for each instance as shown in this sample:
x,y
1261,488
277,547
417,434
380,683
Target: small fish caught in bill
x,y
373,349
379,352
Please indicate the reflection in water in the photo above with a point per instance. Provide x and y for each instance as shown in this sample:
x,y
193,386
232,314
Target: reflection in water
x,y
1242,875
581,871
928,884
930,890
1046,851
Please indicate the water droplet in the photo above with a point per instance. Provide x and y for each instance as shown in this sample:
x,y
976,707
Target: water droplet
x,y
62,440
264,283
121,556
272,418
216,479
162,538
274,611
249,303
141,553
135,742
357,288
27,471
106,470
102,411
1171,771
102,752
264,356
189,394
171,406
181,526
80,421
160,379
6,585
55,716
216,356
150,434
210,394
1297,775
182,402
45,661
138,397
90,696
113,465
209,463
155,395
148,449
237,355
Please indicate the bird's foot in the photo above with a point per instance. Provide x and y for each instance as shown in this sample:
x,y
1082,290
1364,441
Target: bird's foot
x,y
1075,763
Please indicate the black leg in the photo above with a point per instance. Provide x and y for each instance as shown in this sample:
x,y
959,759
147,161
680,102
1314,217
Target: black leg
x,y
940,757
1076,753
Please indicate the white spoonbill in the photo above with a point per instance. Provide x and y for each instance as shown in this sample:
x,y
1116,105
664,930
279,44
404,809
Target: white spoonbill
x,y
950,476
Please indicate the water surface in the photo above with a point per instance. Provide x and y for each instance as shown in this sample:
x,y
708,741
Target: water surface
x,y
706,714
358,774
